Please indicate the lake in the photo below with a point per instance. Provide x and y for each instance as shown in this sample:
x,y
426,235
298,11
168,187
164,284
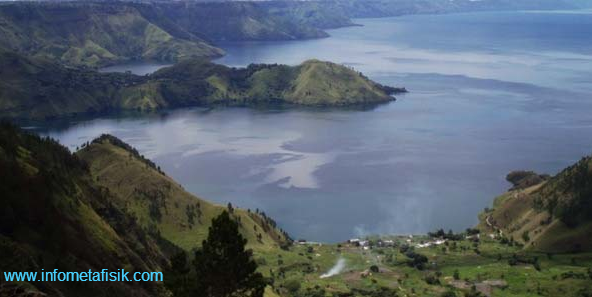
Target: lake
x,y
489,93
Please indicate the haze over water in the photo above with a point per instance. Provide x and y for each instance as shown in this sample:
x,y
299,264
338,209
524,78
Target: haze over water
x,y
489,93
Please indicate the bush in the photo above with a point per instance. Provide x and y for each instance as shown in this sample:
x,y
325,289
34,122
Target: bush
x,y
261,261
431,279
292,285
416,260
525,236
525,179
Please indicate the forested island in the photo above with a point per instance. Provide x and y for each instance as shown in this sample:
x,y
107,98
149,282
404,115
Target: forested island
x,y
35,88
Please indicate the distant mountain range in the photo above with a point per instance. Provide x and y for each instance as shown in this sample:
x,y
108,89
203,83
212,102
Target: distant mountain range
x,y
99,34
102,33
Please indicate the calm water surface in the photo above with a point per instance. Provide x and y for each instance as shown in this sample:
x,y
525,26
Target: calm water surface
x,y
490,93
139,68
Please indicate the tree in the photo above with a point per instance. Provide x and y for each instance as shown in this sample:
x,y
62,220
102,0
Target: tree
x,y
177,276
223,267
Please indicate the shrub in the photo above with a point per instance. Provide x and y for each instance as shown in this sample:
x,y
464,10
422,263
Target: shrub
x,y
525,236
292,285
431,279
416,260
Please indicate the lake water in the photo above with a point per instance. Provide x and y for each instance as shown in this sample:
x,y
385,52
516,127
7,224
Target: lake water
x,y
139,68
489,93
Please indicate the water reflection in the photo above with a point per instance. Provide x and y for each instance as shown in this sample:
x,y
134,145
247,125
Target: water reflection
x,y
490,93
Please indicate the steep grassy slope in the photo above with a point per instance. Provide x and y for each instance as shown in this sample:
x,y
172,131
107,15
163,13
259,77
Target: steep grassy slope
x,y
35,88
105,207
554,216
159,203
325,83
93,34
52,215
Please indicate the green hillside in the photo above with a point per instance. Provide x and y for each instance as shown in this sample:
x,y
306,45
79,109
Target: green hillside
x,y
102,33
36,88
105,207
96,34
313,83
241,20
52,215
93,34
159,203
552,216
325,83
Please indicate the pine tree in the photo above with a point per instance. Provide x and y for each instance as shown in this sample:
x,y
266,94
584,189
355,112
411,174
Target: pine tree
x,y
223,267
178,277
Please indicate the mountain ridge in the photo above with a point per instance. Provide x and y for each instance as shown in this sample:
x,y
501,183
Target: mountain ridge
x,y
159,202
59,210
92,34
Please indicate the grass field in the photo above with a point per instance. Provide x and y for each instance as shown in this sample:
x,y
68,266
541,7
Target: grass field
x,y
483,268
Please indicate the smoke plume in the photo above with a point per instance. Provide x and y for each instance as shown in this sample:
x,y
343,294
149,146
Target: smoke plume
x,y
336,269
